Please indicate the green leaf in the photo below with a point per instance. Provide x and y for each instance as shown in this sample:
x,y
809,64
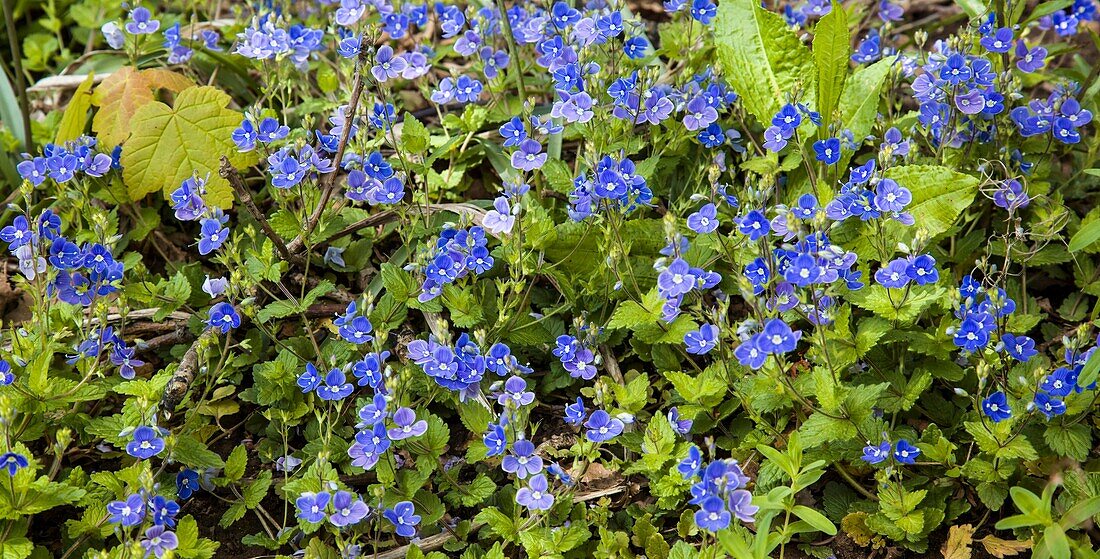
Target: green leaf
x,y
1073,441
630,315
276,309
1055,542
497,522
256,491
76,113
169,144
973,8
859,102
832,47
939,194
812,517
235,464
190,452
1085,236
414,136
1090,371
762,57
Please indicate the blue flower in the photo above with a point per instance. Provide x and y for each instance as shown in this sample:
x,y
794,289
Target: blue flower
x,y
513,132
223,317
311,506
803,270
996,407
347,509
163,511
681,426
575,412
955,69
141,22
130,512
754,224
827,151
701,341
495,440
523,461
515,393
404,518
212,236
536,496
1060,383
705,220
971,335
1050,407
777,337
146,443
1021,348
602,427
894,275
13,462
749,353
335,386
873,454
905,453
406,426
159,541
691,465
713,515
999,42
922,270
187,483
6,376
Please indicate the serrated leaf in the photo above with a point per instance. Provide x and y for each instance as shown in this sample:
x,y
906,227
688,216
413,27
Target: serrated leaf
x,y
169,144
414,136
1073,441
762,57
235,464
939,194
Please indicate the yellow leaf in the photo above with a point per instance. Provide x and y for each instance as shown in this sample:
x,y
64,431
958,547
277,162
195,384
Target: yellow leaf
x,y
76,113
1003,548
159,78
121,95
169,144
958,542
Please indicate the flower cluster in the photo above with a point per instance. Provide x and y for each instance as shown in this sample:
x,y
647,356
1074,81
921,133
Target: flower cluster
x,y
719,491
457,253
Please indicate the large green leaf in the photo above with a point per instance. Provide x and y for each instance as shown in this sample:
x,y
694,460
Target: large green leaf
x,y
832,47
859,102
762,57
169,144
939,195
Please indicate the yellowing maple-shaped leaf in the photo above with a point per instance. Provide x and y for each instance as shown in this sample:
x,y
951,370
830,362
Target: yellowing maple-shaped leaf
x,y
169,144
123,93
958,542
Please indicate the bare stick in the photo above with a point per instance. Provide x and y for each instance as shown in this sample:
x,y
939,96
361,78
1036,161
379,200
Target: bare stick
x,y
230,174
328,182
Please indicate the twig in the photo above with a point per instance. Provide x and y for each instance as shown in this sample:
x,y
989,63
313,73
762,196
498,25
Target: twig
x,y
181,380
328,181
381,218
229,173
611,364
